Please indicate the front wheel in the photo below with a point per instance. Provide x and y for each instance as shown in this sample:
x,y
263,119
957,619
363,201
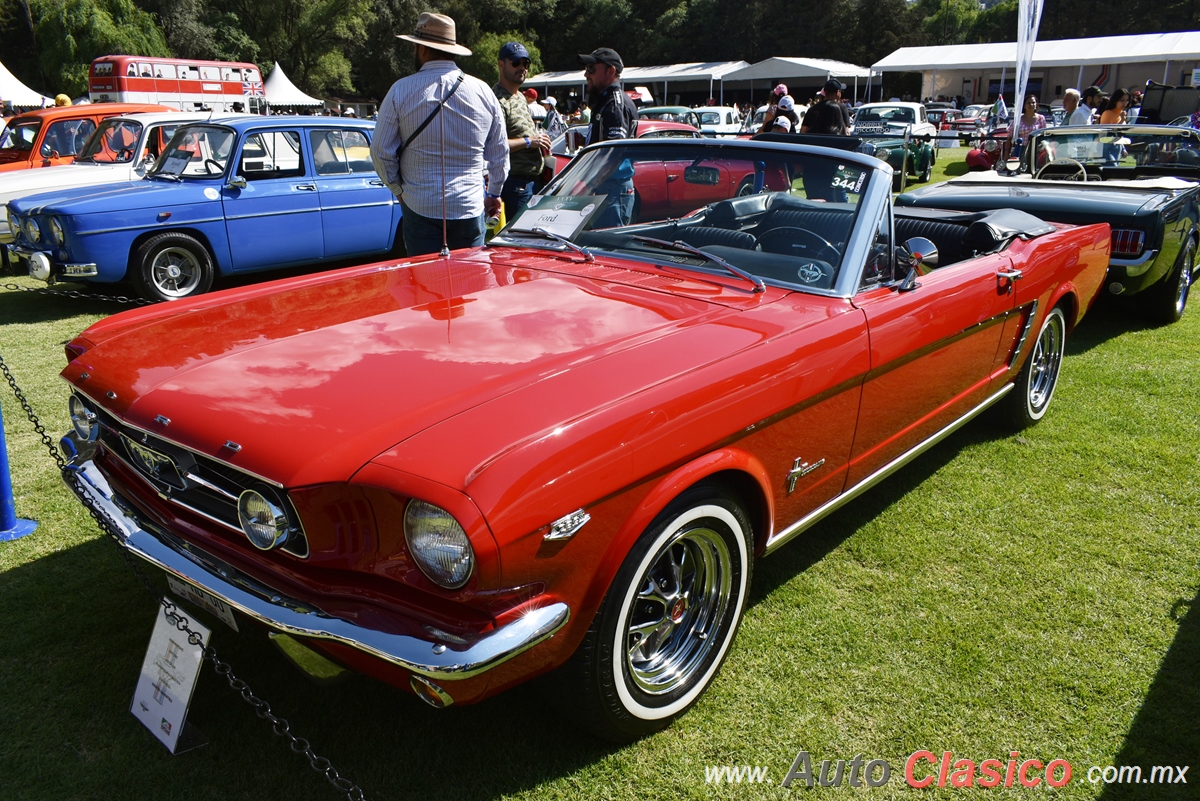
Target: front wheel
x,y
172,266
666,624
1030,398
1166,302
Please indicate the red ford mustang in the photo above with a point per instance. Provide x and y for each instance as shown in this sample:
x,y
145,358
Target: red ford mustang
x,y
566,450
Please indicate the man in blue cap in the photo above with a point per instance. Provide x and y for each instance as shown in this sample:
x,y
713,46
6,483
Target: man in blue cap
x,y
528,144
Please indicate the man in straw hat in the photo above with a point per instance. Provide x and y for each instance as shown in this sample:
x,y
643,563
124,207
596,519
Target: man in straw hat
x,y
441,178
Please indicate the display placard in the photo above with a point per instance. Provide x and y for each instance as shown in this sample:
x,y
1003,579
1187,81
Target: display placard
x,y
168,677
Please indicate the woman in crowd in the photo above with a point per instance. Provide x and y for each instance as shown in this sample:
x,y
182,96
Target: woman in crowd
x,y
1114,111
1030,120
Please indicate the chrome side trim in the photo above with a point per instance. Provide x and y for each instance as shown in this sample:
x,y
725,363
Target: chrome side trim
x,y
1024,333
1148,256
835,503
174,224
432,658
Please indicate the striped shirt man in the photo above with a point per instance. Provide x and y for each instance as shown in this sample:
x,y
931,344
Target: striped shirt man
x,y
475,142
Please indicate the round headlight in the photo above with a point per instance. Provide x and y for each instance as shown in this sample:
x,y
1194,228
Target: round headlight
x,y
12,222
882,153
56,231
83,419
263,520
438,544
33,230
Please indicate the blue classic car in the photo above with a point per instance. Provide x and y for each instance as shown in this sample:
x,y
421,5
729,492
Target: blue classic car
x,y
232,195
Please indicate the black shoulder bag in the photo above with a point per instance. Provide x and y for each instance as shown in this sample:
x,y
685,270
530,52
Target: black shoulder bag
x,y
429,119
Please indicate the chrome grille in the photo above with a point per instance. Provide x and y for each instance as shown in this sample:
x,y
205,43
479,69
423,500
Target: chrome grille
x,y
1127,241
193,481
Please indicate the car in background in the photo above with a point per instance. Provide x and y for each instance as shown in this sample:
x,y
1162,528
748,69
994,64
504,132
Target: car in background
x,y
972,122
566,450
891,119
238,194
1143,180
122,149
944,119
564,146
50,137
719,120
679,114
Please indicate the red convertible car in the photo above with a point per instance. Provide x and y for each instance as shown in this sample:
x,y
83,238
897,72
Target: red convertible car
x,y
567,450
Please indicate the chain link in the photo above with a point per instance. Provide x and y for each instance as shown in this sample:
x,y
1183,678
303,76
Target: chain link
x,y
279,725
72,293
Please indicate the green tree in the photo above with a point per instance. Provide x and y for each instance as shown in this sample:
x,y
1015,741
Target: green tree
x,y
68,34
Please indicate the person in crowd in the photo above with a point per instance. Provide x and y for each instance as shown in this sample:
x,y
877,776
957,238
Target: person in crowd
x,y
527,144
1113,112
786,119
1030,120
585,113
554,123
1135,106
440,180
1194,120
1071,106
62,100
1087,105
828,115
615,117
536,110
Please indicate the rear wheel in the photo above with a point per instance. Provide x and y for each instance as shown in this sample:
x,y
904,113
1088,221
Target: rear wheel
x,y
172,266
1028,401
666,624
1166,302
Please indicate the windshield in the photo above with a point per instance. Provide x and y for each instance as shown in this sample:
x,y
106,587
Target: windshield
x,y
1148,152
20,135
710,117
196,151
781,215
896,114
115,142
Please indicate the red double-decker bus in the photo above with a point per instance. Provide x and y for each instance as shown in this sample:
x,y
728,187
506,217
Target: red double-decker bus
x,y
185,84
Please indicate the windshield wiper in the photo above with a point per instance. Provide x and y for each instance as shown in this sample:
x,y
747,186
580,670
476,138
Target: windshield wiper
x,y
166,175
542,232
759,286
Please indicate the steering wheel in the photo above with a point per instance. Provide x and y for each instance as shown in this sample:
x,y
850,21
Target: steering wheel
x,y
1064,162
798,239
220,167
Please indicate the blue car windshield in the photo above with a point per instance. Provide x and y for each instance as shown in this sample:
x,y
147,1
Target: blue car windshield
x,y
196,151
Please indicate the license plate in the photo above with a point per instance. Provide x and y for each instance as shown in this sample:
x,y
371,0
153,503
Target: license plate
x,y
203,599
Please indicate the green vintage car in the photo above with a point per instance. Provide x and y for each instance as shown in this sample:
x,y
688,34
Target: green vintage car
x,y
900,134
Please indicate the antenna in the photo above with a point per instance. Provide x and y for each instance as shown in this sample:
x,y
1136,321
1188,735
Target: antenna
x,y
445,251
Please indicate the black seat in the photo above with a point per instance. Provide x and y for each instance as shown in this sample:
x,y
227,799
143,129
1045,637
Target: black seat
x,y
946,235
699,237
831,225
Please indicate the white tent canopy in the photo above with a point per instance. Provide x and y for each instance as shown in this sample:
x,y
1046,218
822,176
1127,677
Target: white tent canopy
x,y
792,68
1139,48
18,94
282,92
672,73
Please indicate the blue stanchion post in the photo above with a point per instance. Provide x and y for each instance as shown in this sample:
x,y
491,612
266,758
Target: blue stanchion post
x,y
11,527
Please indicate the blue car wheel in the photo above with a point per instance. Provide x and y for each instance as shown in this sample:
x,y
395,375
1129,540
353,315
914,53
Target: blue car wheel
x,y
172,266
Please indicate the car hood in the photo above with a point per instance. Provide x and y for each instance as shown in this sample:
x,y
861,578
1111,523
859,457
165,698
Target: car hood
x,y
1058,201
145,193
19,184
315,376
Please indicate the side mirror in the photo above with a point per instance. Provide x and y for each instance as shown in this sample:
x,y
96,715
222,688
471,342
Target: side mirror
x,y
237,182
919,256
48,152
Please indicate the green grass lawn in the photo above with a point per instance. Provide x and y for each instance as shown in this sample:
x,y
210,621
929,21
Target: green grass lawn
x,y
1032,593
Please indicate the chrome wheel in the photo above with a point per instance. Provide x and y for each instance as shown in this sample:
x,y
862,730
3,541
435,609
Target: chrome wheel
x,y
1045,362
681,600
1184,284
175,272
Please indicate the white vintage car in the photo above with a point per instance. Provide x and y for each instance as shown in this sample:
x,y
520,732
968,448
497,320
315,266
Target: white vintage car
x,y
120,149
892,119
719,120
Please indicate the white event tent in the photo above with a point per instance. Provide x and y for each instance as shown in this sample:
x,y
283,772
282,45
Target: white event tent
x,y
18,94
695,75
282,92
783,68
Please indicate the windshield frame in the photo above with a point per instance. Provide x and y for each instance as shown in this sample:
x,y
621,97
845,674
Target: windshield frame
x,y
17,123
94,143
161,170
1106,138
873,196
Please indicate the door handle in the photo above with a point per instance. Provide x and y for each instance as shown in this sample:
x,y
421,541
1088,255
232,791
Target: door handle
x,y
307,187
1006,278
376,182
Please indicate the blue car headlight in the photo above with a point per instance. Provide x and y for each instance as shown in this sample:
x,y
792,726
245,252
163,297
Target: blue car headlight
x,y
33,231
56,232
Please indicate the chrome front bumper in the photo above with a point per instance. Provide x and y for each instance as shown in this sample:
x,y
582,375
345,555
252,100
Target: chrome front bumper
x,y
41,259
432,658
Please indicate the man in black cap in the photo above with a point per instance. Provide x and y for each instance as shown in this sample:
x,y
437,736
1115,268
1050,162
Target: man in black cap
x,y
828,116
615,117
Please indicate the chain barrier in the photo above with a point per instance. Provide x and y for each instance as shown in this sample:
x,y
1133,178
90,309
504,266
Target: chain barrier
x,y
279,725
72,293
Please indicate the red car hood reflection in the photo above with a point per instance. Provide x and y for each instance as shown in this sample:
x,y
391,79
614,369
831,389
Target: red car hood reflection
x,y
317,375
